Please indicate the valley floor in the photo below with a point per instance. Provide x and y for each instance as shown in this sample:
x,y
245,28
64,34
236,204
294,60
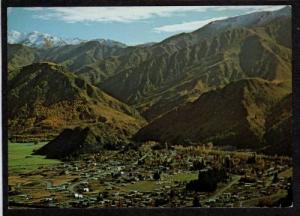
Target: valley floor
x,y
127,179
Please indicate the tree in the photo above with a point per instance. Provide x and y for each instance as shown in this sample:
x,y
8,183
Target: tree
x,y
198,164
196,201
252,159
227,162
156,175
207,180
99,197
275,178
172,194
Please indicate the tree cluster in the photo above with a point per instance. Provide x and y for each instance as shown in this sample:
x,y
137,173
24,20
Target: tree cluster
x,y
207,180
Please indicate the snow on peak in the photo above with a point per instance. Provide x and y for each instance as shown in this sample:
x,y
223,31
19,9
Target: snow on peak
x,y
44,40
39,39
15,37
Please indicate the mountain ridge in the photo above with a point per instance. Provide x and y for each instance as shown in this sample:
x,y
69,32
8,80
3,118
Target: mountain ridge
x,y
241,124
220,54
45,98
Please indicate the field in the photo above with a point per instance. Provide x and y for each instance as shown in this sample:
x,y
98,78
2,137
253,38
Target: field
x,y
20,159
148,186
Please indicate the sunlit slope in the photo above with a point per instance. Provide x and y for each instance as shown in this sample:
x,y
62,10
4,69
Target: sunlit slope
x,y
46,97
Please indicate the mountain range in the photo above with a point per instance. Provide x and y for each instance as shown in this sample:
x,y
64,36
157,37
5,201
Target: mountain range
x,y
43,40
222,83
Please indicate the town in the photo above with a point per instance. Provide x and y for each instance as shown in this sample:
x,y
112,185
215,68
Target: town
x,y
197,176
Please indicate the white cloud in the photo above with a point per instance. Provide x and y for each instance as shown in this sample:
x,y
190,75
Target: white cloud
x,y
270,8
251,8
193,25
186,26
129,14
113,14
34,8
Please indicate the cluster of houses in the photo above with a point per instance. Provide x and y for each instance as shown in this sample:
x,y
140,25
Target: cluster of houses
x,y
147,178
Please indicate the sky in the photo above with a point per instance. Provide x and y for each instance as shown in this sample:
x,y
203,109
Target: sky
x,y
130,25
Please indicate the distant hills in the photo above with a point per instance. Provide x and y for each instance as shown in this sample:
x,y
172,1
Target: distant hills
x,y
85,58
228,83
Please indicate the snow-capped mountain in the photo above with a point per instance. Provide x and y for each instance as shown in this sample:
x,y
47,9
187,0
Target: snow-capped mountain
x,y
15,37
39,39
43,40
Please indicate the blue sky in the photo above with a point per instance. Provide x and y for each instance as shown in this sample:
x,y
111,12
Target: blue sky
x,y
130,25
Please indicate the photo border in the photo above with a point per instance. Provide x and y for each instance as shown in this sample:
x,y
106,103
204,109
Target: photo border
x,y
158,211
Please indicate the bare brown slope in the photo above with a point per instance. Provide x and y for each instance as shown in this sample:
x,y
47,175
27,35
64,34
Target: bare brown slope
x,y
234,115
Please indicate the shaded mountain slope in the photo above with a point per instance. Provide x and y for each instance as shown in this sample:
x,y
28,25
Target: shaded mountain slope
x,y
234,115
73,142
45,97
278,135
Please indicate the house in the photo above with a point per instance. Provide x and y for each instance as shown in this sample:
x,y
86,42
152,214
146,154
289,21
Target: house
x,y
78,196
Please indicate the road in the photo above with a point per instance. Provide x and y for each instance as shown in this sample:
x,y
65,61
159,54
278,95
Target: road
x,y
235,179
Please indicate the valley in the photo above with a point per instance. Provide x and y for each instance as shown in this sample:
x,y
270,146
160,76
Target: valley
x,y
199,119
